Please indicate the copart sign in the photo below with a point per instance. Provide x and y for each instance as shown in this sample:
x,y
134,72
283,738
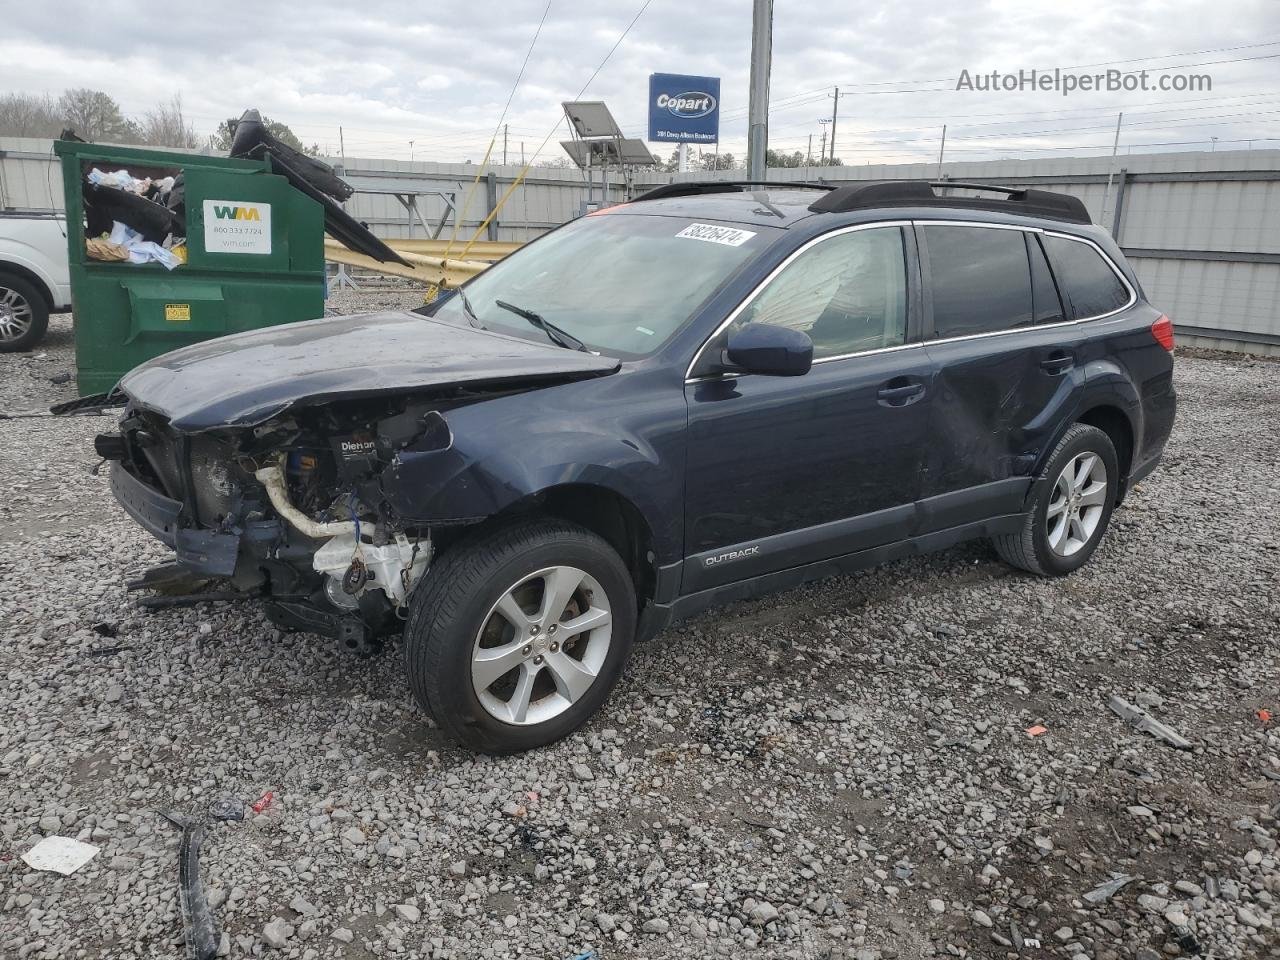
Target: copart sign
x,y
684,109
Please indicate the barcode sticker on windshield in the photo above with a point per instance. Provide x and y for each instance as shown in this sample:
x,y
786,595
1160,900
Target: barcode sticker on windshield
x,y
729,236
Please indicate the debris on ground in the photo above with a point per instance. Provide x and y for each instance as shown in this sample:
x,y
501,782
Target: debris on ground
x,y
1179,603
1036,730
262,802
64,855
197,919
1142,721
227,808
1108,889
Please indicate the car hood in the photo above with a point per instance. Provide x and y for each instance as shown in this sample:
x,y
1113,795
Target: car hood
x,y
247,378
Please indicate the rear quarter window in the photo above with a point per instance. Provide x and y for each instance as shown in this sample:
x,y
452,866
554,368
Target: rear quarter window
x,y
1088,284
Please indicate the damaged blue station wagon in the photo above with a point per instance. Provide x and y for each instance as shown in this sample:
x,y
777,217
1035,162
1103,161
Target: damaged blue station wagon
x,y
713,391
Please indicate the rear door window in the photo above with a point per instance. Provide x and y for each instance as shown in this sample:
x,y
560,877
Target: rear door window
x,y
1089,285
980,280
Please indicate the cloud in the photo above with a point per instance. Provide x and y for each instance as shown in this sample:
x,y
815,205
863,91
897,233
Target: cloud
x,y
387,76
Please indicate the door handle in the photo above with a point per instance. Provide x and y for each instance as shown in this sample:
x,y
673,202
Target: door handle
x,y
901,395
1058,362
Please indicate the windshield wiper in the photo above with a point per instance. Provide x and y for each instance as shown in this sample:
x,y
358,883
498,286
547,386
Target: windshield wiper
x,y
561,338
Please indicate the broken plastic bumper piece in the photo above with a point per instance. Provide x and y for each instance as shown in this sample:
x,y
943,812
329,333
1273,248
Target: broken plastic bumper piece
x,y
203,551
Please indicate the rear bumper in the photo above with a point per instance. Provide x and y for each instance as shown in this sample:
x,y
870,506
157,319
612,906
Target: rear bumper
x,y
202,551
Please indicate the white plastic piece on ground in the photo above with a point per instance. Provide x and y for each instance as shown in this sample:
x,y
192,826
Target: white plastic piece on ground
x,y
63,855
383,563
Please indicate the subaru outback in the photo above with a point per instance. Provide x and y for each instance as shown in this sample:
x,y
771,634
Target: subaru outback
x,y
715,390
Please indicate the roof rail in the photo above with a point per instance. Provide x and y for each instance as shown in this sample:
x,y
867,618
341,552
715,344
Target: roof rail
x,y
920,193
699,187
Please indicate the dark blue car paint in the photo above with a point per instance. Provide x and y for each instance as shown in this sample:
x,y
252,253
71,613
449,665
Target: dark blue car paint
x,y
811,471
748,482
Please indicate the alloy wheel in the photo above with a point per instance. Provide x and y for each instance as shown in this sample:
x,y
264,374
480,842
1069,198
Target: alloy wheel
x,y
1078,503
541,646
16,314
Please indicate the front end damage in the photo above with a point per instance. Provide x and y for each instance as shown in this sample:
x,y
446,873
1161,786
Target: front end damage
x,y
295,510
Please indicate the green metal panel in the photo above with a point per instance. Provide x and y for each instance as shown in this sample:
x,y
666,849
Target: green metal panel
x,y
255,258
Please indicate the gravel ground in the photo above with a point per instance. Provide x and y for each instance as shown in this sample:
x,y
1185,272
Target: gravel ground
x,y
841,770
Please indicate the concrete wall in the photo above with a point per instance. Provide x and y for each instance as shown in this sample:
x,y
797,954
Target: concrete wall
x,y
1201,229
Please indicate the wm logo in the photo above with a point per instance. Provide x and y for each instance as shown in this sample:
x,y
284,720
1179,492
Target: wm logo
x,y
236,213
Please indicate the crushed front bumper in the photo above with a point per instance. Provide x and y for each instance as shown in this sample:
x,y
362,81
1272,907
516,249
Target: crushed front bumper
x,y
202,551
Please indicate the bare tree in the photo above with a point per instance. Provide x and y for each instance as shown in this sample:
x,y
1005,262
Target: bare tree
x,y
95,116
28,115
165,126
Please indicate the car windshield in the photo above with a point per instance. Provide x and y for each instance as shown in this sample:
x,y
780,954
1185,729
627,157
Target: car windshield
x,y
622,285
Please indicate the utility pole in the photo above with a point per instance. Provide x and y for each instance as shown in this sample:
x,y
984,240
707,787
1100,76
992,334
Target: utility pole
x,y
504,143
411,151
1115,147
822,151
522,153
835,108
758,102
342,147
941,149
808,153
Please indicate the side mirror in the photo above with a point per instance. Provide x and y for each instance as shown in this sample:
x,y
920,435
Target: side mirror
x,y
770,350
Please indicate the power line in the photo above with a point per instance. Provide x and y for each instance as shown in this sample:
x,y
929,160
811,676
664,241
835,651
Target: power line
x,y
783,105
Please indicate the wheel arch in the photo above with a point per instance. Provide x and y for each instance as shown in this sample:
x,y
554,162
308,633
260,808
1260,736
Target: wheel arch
x,y
31,277
605,512
1116,424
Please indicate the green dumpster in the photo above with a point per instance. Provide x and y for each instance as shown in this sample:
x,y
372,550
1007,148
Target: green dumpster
x,y
253,254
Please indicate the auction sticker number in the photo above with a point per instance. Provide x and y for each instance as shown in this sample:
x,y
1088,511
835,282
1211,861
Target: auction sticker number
x,y
729,236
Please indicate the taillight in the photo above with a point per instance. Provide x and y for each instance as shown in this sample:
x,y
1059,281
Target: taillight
x,y
1162,330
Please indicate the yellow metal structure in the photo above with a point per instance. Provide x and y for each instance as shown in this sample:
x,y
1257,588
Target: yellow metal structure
x,y
433,271
487,250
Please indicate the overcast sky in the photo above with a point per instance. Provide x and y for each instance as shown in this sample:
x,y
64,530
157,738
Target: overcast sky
x,y
439,74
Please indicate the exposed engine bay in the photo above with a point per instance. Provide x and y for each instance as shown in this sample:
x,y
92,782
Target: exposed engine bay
x,y
293,510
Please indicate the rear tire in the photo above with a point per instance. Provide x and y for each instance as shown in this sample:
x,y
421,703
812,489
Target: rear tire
x,y
24,314
487,651
1070,506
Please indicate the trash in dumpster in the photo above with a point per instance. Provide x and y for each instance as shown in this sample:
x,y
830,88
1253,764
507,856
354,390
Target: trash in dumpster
x,y
138,250
107,205
1140,720
197,919
314,178
1108,889
100,248
64,855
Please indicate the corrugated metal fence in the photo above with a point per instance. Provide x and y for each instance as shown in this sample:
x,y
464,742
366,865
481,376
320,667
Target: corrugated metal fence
x,y
1202,229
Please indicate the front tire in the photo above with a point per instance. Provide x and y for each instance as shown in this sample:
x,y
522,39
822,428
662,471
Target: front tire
x,y
24,314
1070,506
516,637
